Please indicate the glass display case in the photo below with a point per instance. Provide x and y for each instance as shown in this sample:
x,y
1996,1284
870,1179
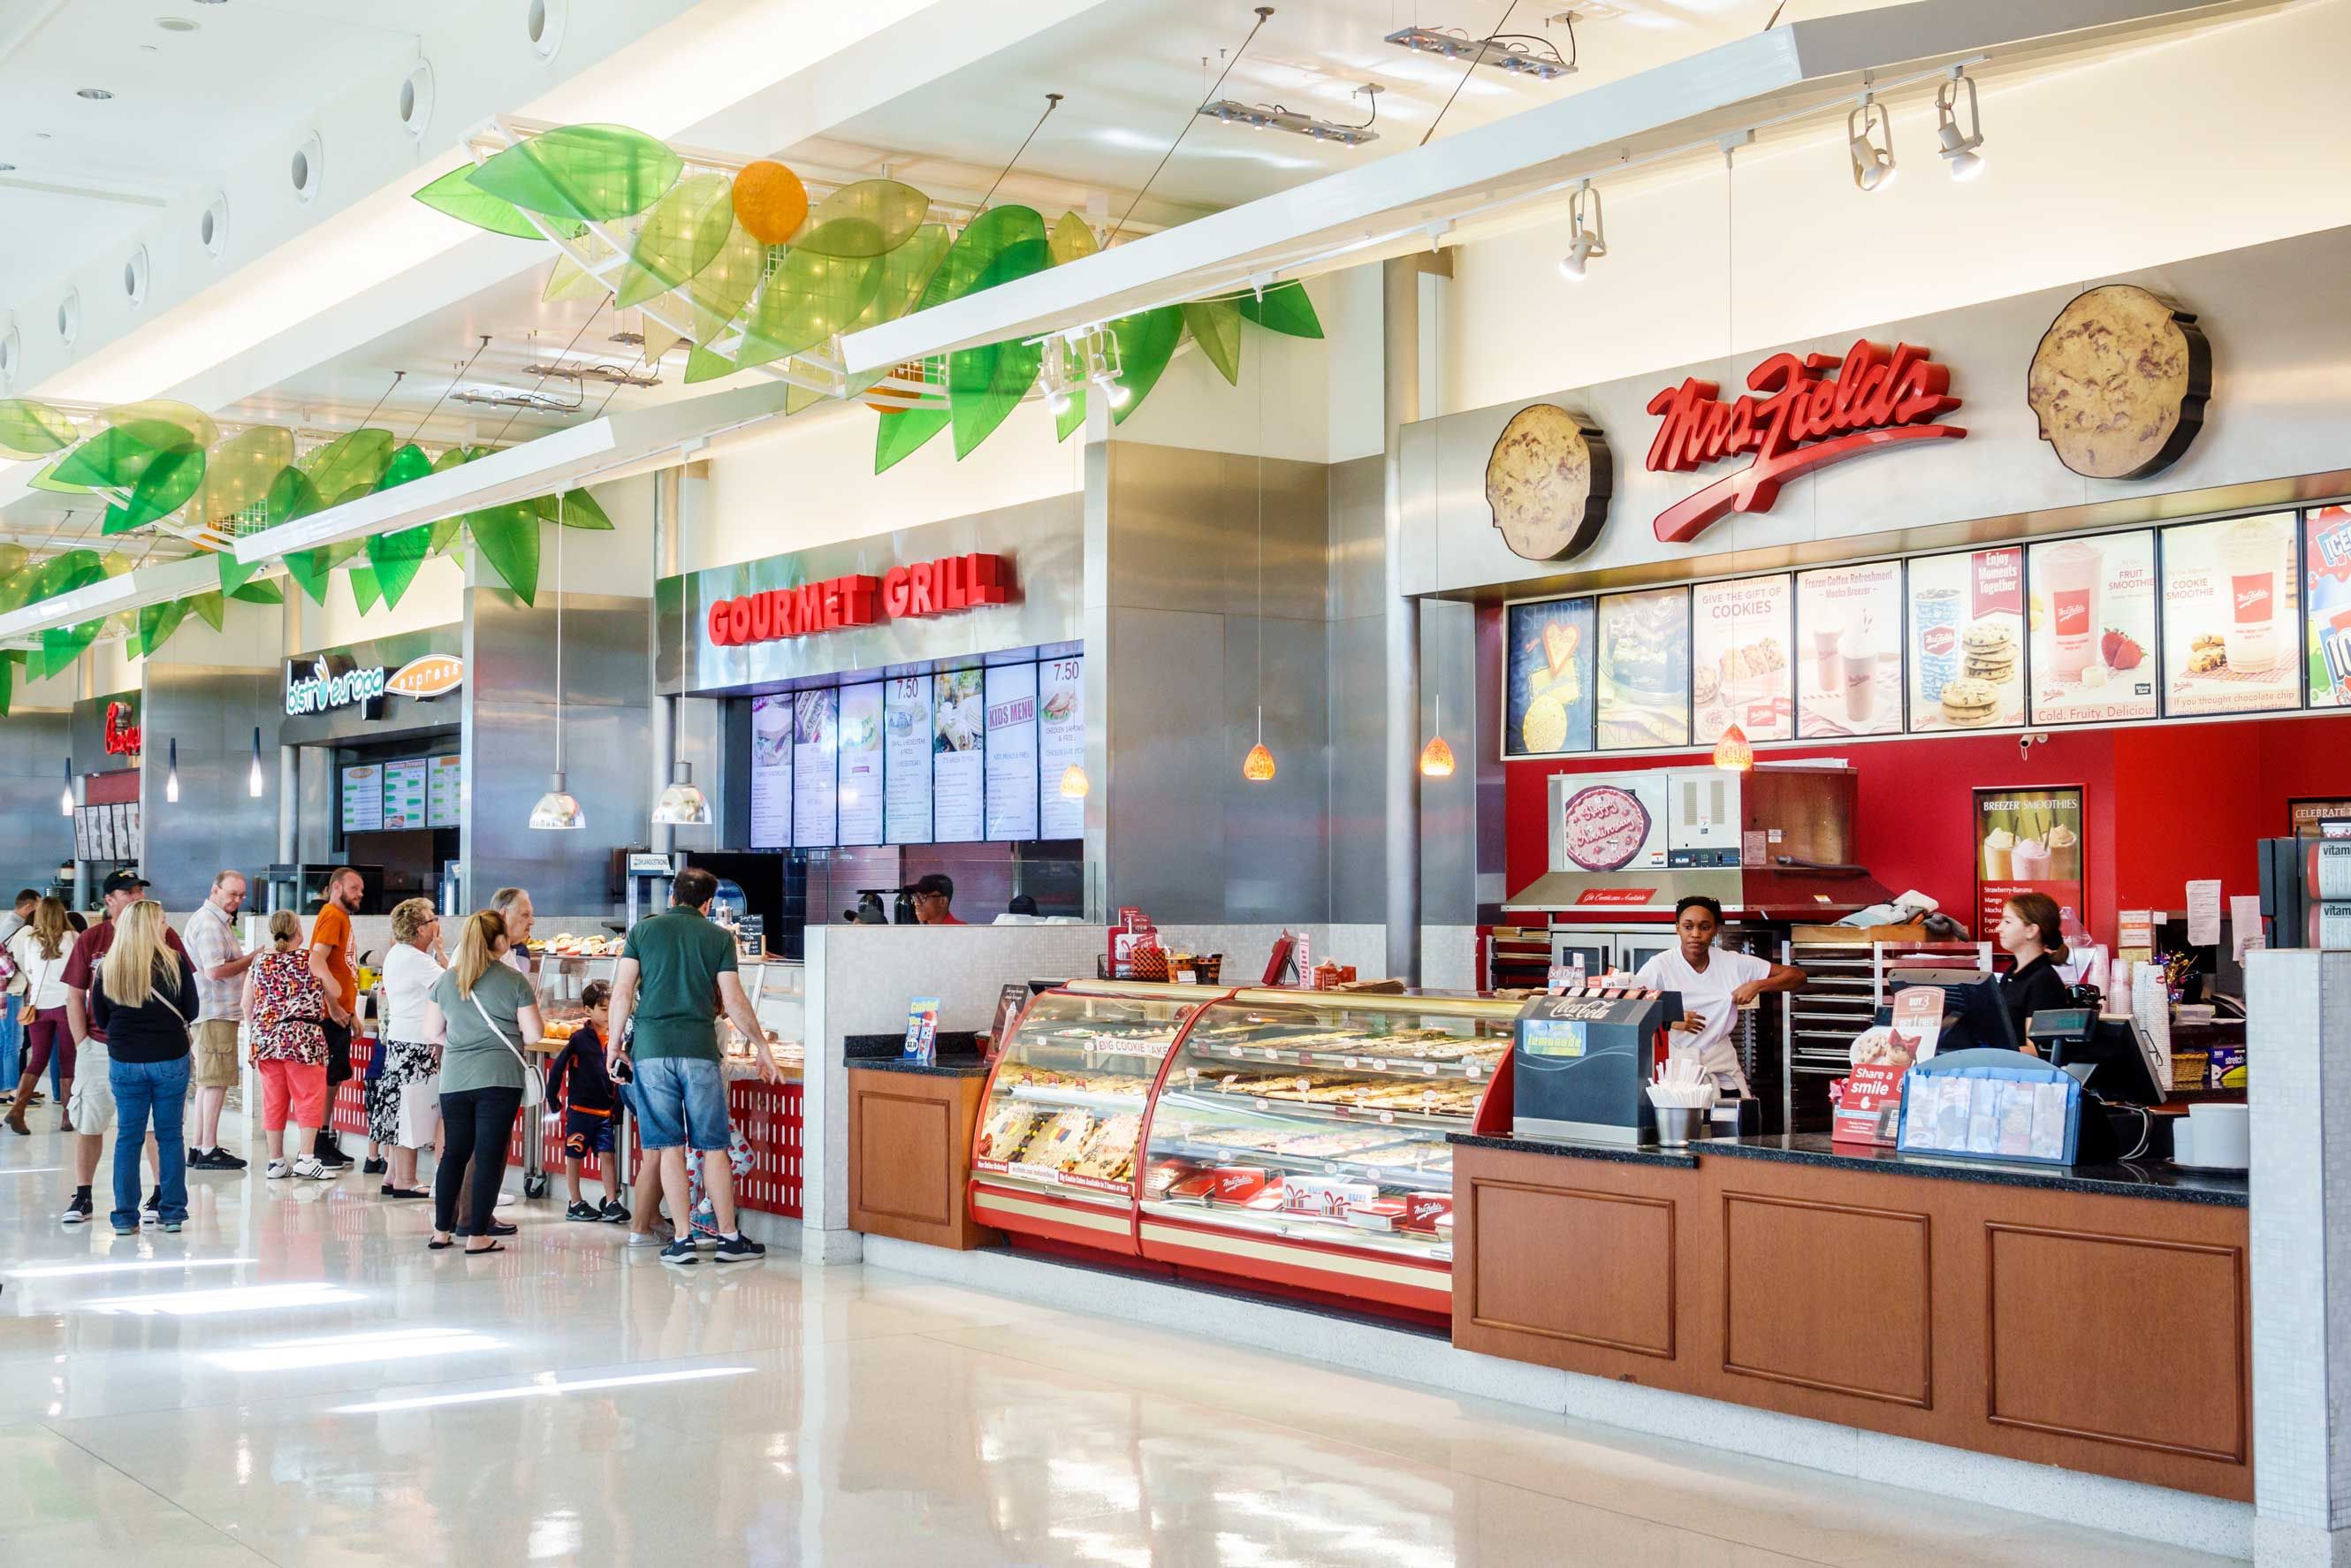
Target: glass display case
x,y
1054,1156
1300,1137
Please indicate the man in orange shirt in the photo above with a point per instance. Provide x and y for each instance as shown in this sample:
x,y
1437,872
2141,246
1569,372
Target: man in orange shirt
x,y
330,961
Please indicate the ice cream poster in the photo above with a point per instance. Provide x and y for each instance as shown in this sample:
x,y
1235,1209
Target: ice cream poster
x,y
2028,840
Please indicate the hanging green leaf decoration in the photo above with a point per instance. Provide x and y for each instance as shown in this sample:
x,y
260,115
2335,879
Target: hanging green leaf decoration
x,y
157,623
166,486
265,592
233,573
457,194
1216,326
46,479
61,645
902,432
16,588
396,559
444,534
872,217
211,607
905,273
595,172
1073,238
1071,416
193,423
291,494
987,384
29,429
808,297
310,572
684,232
702,365
353,461
567,279
408,463
574,510
341,551
238,472
1285,308
455,458
507,537
1146,342
364,591
67,570
8,658
116,457
719,291
13,560
975,250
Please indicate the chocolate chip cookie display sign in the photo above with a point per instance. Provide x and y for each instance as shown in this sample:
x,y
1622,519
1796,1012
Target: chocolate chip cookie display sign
x,y
2091,606
2232,617
1548,480
2119,383
1967,640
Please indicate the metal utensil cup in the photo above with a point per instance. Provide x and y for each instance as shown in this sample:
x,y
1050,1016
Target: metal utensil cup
x,y
1679,1126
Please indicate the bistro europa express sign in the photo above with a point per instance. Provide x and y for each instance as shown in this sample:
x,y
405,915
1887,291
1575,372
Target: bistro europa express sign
x,y
926,587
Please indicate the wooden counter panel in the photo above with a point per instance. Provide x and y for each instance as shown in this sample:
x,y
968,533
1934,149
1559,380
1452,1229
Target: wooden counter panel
x,y
2051,1372
909,1157
1529,1240
1830,1296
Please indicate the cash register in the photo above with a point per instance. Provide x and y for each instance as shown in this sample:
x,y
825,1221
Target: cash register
x,y
2109,1055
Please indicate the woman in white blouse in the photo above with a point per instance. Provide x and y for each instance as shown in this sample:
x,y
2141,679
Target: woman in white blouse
x,y
410,1037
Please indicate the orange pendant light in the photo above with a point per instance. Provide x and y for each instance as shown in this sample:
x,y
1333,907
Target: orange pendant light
x,y
1257,766
1733,753
1436,758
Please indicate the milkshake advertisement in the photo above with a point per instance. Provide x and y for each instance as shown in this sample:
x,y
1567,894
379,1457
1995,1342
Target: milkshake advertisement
x,y
2232,617
1849,651
2092,613
2328,551
1967,640
2026,840
1741,633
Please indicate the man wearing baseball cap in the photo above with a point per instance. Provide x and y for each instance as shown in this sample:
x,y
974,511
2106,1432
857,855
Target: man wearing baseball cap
x,y
92,1108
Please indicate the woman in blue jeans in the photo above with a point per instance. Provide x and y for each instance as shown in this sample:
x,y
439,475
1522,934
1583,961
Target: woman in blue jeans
x,y
141,998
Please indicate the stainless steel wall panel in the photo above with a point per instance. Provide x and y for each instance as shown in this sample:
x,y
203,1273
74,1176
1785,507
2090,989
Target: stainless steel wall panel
x,y
1449,807
34,837
1277,847
216,825
1168,763
1187,533
1358,794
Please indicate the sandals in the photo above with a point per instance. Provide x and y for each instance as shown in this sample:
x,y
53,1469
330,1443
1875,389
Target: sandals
x,y
480,1251
439,1246
392,1191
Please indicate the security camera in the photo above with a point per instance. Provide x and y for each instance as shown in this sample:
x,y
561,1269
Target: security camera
x,y
2025,743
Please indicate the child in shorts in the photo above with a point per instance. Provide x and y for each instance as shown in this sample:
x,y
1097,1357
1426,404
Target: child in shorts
x,y
580,1091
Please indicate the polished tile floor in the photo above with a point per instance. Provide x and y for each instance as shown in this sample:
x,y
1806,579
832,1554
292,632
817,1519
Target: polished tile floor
x,y
294,1379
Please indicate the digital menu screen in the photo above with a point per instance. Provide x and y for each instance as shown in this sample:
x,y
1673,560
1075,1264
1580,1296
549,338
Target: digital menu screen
x,y
816,741
1644,669
363,799
2093,618
771,772
404,803
1549,656
1849,644
907,760
958,760
1966,640
1011,695
445,791
1741,634
2232,617
861,786
1061,746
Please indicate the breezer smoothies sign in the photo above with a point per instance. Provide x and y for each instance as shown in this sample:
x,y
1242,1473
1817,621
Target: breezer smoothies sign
x,y
2028,840
1804,421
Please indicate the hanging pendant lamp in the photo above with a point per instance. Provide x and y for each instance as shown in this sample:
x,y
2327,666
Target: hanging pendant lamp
x,y
1733,753
683,804
1257,767
172,774
557,811
64,801
1436,758
253,775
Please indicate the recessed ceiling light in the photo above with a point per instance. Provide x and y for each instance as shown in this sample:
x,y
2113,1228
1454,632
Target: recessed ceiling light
x,y
95,94
176,24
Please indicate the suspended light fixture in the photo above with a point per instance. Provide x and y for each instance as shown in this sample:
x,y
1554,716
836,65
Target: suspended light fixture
x,y
1074,785
1873,163
1436,758
253,775
172,774
64,801
1257,767
557,811
682,804
1733,753
1590,238
1960,153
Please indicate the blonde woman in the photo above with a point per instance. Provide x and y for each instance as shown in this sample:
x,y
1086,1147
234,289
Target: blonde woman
x,y
410,1049
40,949
141,998
488,1013
285,1007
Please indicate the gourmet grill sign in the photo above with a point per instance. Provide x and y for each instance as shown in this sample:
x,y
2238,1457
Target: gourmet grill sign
x,y
1803,420
926,587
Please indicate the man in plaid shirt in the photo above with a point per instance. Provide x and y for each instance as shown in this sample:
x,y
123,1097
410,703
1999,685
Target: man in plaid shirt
x,y
220,962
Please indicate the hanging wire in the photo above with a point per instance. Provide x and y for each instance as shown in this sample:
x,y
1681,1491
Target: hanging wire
x,y
1264,13
560,529
542,380
1052,102
397,377
1465,75
450,388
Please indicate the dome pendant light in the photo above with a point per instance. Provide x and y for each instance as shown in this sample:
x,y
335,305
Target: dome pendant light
x,y
64,801
1436,758
1733,753
172,774
682,804
253,775
557,811
1074,786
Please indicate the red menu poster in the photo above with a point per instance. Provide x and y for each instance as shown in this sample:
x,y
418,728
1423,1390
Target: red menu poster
x,y
2028,840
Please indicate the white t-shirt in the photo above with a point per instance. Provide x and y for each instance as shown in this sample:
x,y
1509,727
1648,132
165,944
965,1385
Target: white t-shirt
x,y
408,977
44,977
1708,996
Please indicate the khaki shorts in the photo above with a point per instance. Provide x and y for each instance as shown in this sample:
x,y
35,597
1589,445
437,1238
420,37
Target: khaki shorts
x,y
215,1054
91,1104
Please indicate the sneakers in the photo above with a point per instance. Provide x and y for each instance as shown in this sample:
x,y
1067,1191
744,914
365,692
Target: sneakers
x,y
278,1170
122,1229
224,1160
78,1211
150,1210
169,1227
213,1160
614,1212
683,1254
738,1249
657,1237
334,1159
580,1209
374,1167
314,1170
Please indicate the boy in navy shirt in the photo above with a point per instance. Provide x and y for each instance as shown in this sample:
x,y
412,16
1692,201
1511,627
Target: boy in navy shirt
x,y
579,1083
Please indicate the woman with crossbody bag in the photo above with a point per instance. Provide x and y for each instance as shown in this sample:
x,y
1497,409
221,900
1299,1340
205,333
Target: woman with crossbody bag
x,y
41,948
141,998
487,1012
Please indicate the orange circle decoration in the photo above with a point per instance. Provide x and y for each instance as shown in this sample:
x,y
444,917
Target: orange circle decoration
x,y
770,202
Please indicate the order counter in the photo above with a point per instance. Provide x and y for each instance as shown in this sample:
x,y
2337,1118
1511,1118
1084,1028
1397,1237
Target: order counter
x,y
2094,1317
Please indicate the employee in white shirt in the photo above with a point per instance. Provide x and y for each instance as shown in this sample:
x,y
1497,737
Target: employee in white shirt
x,y
1714,985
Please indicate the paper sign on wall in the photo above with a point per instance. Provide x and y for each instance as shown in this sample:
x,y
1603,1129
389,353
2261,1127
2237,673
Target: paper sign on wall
x,y
2204,913
2245,925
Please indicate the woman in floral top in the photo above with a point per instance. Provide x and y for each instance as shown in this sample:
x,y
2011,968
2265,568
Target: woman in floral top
x,y
284,1004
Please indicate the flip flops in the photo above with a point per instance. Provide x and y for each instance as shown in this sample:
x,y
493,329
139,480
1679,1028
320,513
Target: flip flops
x,y
481,1251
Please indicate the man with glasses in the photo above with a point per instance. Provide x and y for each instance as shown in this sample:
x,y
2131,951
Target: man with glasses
x,y
934,901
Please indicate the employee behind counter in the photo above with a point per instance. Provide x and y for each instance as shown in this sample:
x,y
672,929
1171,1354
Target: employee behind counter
x,y
2031,931
1714,984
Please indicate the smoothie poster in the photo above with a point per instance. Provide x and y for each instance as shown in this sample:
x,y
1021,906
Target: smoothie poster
x,y
2092,610
1549,660
2327,552
2028,840
1967,640
2232,617
1849,651
1741,634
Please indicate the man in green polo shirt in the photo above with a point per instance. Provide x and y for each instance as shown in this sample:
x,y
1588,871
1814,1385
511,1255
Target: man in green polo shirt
x,y
677,972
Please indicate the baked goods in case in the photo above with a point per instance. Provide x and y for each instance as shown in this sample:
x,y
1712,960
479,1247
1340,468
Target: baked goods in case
x,y
2119,383
1548,480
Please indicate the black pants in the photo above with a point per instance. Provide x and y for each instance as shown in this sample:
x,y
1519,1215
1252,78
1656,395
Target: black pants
x,y
339,1072
475,1124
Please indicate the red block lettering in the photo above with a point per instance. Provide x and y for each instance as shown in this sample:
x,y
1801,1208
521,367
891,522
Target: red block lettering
x,y
894,591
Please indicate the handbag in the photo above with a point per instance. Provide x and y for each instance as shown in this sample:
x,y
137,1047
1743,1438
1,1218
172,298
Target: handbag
x,y
420,1113
534,1086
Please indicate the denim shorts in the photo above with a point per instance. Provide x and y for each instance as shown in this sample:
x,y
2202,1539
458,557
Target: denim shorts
x,y
680,1101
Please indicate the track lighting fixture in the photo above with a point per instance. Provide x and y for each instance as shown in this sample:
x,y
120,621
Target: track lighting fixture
x,y
1873,157
1584,221
1960,152
1083,359
1281,117
1520,54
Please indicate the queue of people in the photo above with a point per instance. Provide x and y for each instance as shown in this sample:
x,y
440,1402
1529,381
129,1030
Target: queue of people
x,y
133,1017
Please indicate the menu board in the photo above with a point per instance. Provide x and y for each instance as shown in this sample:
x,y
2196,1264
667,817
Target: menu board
x,y
907,760
404,795
2028,840
1061,746
2092,610
861,764
1849,633
363,799
1966,644
126,830
2232,617
816,741
84,848
958,765
1012,751
1644,659
1741,634
445,791
2326,565
771,772
1549,657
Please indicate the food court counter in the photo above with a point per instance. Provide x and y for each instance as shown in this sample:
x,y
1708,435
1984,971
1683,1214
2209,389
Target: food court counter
x,y
2093,1317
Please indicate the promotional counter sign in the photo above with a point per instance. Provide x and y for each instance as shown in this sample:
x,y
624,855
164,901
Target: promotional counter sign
x,y
2232,617
2028,840
1804,421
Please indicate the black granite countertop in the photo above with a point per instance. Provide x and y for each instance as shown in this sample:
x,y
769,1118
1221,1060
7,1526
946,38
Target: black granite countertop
x,y
1616,1154
945,1067
2151,1179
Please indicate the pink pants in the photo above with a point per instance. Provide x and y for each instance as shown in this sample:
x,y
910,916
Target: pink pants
x,y
304,1083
